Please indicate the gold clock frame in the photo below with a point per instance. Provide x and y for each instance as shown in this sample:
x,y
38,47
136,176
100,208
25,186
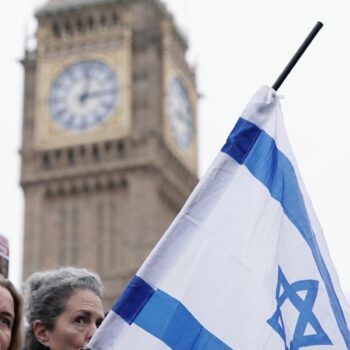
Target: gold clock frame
x,y
189,155
48,133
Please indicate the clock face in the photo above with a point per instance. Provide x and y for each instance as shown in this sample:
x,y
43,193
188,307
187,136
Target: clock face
x,y
84,95
180,113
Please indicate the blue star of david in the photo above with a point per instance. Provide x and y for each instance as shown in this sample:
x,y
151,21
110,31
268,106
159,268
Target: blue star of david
x,y
286,291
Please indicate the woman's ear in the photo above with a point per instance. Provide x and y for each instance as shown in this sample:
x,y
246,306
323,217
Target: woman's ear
x,y
40,332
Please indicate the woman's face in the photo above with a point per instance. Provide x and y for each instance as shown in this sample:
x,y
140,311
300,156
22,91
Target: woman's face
x,y
77,324
7,316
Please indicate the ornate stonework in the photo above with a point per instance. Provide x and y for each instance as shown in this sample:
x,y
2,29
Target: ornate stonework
x,y
101,198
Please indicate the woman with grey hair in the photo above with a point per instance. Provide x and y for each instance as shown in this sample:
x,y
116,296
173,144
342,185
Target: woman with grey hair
x,y
63,309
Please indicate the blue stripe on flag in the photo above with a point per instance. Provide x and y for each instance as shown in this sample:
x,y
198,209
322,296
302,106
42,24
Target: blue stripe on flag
x,y
271,167
165,318
133,299
241,140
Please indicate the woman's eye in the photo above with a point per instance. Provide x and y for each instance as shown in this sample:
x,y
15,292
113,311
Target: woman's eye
x,y
6,321
80,320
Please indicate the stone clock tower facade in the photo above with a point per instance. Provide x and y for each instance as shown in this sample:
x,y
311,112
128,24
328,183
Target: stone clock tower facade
x,y
109,150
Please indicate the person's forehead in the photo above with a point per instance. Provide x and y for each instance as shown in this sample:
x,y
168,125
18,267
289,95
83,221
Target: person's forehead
x,y
6,301
84,299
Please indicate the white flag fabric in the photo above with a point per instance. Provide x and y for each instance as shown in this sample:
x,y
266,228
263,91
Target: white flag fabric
x,y
244,265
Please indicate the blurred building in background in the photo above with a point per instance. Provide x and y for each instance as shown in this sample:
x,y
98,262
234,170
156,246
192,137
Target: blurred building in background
x,y
109,149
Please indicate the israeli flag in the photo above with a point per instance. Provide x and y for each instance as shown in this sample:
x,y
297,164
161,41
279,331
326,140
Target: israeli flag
x,y
244,265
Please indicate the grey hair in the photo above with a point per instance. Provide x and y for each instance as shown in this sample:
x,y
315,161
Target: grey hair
x,y
47,293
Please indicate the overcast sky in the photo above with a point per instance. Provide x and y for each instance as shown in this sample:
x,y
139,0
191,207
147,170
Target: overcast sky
x,y
236,45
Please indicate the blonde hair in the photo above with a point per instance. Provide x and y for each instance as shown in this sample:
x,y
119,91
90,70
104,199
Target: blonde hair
x,y
16,333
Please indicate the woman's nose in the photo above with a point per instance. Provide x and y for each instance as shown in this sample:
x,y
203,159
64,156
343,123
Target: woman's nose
x,y
91,331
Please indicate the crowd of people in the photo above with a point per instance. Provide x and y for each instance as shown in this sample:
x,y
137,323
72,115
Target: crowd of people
x,y
62,310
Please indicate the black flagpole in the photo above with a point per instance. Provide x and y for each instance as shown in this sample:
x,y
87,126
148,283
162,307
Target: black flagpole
x,y
297,56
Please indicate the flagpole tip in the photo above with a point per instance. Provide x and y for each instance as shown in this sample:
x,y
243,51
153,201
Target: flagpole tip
x,y
297,55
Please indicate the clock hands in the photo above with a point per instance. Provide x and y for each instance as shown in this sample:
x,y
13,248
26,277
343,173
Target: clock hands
x,y
86,95
83,97
86,87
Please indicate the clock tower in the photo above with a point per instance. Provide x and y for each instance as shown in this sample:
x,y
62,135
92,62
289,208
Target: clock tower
x,y
109,147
